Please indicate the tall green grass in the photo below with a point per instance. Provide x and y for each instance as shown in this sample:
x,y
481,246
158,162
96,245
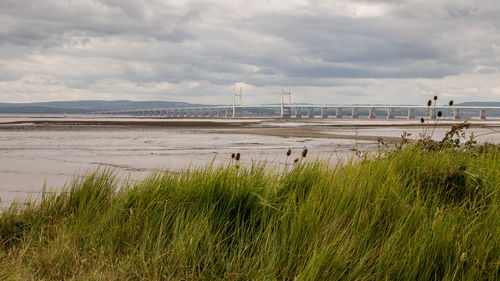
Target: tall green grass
x,y
411,214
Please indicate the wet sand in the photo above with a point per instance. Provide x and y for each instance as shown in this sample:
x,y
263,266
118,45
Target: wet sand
x,y
51,151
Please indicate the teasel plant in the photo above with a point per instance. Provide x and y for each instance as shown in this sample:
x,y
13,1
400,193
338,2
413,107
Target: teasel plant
x,y
288,153
430,104
303,155
235,157
304,152
450,103
439,114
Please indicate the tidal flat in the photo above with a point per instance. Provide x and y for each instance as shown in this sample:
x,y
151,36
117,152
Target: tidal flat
x,y
44,153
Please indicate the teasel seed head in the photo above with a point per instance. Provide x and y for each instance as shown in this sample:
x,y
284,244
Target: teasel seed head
x,y
440,113
304,153
429,103
295,160
435,97
422,120
288,152
237,157
450,103
232,155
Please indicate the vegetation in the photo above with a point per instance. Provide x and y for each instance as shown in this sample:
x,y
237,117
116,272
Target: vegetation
x,y
423,211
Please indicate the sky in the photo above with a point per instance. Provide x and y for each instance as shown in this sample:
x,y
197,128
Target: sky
x,y
328,51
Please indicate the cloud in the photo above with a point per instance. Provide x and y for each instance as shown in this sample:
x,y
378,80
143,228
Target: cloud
x,y
349,51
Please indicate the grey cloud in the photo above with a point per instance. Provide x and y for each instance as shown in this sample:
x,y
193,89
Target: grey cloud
x,y
209,42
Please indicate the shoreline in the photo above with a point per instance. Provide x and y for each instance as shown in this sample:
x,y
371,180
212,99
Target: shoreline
x,y
286,128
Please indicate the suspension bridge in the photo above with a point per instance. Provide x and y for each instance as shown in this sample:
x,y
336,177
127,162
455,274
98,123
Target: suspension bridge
x,y
287,110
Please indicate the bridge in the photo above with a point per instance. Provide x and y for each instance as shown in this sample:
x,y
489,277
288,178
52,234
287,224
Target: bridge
x,y
289,110
308,111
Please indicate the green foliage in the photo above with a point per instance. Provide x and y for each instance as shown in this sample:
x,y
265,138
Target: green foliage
x,y
419,212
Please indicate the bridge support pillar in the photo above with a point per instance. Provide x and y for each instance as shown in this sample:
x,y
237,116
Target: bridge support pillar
x,y
432,113
298,114
456,114
390,113
310,112
354,113
286,112
338,112
371,113
324,112
482,115
227,113
411,114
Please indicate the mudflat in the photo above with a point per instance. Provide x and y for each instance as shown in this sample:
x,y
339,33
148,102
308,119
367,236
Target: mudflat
x,y
37,152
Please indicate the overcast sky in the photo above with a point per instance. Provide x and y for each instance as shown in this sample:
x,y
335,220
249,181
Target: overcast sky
x,y
336,51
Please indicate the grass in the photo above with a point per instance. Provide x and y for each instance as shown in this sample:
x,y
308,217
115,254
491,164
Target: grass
x,y
408,214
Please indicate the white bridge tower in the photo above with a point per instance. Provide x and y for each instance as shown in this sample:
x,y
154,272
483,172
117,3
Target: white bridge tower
x,y
285,109
234,101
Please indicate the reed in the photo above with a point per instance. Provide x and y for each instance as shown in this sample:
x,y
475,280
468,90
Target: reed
x,y
410,214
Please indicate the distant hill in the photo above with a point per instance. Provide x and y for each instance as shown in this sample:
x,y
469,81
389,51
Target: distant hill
x,y
87,106
479,103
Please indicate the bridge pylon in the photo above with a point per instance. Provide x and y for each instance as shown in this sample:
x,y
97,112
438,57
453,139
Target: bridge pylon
x,y
285,109
234,102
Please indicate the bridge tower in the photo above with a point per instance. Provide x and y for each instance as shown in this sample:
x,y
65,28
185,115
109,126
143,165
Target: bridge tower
x,y
285,110
234,101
